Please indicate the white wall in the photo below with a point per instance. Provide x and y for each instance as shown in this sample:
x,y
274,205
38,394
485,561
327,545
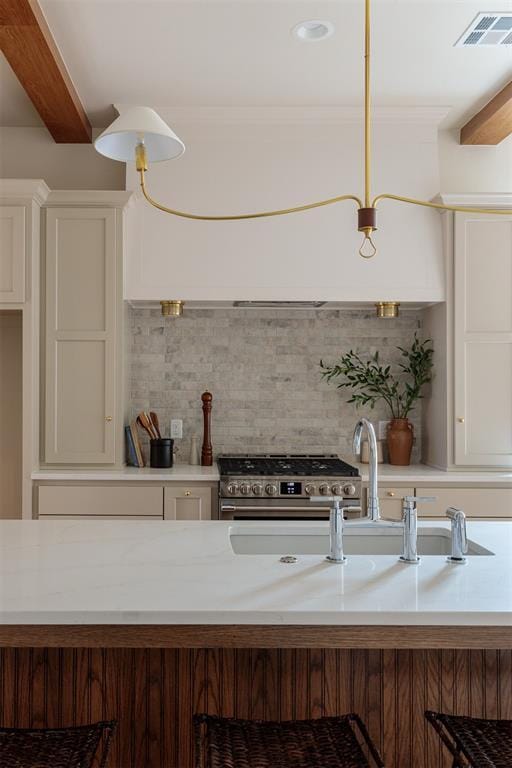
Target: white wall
x,y
239,167
474,170
31,153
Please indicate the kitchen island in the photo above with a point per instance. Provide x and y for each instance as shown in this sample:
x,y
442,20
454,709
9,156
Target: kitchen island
x,y
150,622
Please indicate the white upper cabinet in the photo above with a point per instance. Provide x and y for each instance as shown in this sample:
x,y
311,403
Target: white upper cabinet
x,y
81,296
12,253
483,340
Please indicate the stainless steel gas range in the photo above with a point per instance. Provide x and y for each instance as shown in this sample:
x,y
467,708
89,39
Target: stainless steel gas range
x,y
278,486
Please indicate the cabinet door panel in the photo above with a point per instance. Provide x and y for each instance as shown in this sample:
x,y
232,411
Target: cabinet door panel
x,y
476,502
483,340
187,503
84,390
100,501
83,273
488,412
80,415
487,253
12,253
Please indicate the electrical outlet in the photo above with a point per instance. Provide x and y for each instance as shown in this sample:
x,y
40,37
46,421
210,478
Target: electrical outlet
x,y
383,430
176,428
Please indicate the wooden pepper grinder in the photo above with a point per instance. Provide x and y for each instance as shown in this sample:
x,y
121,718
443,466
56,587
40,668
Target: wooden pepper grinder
x,y
206,450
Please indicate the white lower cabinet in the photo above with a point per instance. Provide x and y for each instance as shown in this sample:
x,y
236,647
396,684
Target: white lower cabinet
x,y
190,502
91,502
125,501
475,502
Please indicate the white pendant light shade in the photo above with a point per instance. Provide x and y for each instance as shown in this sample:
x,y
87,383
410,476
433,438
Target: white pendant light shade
x,y
136,125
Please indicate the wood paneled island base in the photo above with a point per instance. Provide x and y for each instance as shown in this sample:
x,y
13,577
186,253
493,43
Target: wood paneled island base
x,y
153,691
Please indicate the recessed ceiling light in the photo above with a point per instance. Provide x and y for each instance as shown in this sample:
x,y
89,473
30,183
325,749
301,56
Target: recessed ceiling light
x,y
313,31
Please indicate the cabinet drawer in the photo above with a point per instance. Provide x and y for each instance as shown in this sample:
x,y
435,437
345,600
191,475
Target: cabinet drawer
x,y
476,502
100,517
101,501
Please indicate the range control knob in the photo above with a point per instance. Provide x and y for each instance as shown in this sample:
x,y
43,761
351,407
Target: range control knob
x,y
271,489
349,489
310,489
257,489
337,489
245,489
232,488
324,489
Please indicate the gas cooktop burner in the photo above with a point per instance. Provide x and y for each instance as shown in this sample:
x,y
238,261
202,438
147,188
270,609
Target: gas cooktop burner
x,y
285,464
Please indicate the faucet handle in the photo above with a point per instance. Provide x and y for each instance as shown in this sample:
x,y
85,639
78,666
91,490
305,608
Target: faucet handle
x,y
459,535
415,499
326,500
455,514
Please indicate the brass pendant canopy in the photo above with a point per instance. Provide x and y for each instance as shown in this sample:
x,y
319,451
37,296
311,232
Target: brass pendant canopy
x,y
172,308
388,309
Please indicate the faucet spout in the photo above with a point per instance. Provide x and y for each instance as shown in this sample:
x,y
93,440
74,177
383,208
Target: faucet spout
x,y
373,508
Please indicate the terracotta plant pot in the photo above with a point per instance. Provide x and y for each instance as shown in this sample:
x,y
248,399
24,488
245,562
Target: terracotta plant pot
x,y
400,437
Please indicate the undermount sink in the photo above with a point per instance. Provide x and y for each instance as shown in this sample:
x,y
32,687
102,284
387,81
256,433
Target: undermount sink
x,y
364,540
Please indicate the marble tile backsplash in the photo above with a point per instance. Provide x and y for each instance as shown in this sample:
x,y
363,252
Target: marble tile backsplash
x,y
262,367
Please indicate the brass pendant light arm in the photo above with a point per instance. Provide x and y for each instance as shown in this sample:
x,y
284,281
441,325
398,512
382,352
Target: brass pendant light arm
x,y
367,106
438,206
243,216
367,212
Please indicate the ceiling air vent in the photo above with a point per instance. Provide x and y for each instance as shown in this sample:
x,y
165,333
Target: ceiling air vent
x,y
488,29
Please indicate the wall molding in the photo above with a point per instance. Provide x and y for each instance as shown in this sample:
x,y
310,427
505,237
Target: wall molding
x,y
499,200
24,189
85,197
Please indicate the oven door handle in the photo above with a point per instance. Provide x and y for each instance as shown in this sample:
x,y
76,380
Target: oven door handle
x,y
261,508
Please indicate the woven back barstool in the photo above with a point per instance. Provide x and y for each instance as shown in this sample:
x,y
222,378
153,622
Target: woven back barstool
x,y
327,742
474,741
74,747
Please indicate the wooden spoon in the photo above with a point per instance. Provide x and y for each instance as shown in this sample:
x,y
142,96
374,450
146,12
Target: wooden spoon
x,y
154,421
150,424
145,424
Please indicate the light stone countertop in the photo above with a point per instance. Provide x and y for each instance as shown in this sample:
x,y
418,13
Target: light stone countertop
x,y
421,473
179,472
412,475
137,572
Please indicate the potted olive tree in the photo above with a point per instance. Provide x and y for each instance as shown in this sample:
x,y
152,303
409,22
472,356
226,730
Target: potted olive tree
x,y
399,386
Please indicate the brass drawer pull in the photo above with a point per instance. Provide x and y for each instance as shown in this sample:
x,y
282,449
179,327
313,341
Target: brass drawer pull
x,y
391,493
188,493
108,418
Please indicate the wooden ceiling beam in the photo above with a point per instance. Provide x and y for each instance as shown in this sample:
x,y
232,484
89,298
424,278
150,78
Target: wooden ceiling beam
x,y
30,49
493,123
